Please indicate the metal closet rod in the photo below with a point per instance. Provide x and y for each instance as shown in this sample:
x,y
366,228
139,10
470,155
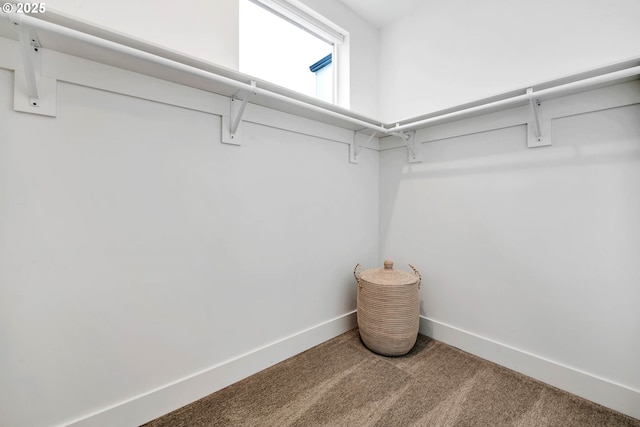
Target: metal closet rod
x,y
20,19
39,24
532,95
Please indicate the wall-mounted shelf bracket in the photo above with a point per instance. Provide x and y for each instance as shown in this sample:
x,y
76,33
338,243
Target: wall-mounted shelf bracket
x,y
413,147
355,148
29,49
409,139
535,135
33,93
231,124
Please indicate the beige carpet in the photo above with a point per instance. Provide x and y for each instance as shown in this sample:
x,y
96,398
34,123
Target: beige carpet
x,y
341,383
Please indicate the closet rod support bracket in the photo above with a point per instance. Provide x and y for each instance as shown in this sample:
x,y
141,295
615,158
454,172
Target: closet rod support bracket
x,y
535,137
413,147
355,148
231,124
29,50
33,93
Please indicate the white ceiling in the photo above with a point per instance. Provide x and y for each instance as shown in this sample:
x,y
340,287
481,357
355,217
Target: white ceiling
x,y
381,12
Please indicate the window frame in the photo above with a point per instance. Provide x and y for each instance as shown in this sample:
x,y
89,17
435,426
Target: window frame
x,y
312,22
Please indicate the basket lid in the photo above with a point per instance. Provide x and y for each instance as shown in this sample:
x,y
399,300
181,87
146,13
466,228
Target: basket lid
x,y
388,276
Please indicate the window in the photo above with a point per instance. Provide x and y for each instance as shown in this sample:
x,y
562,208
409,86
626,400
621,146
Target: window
x,y
289,45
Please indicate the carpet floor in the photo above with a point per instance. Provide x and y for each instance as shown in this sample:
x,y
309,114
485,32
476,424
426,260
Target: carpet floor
x,y
341,383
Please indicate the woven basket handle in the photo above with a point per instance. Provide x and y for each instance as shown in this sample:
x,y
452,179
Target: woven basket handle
x,y
356,274
415,270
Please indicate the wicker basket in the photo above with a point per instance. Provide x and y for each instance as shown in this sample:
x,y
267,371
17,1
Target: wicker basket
x,y
388,308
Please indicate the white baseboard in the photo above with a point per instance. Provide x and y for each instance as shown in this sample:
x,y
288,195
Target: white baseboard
x,y
155,403
604,392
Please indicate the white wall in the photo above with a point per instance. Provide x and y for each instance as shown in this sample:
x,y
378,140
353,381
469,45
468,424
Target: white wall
x,y
207,30
449,52
529,256
137,251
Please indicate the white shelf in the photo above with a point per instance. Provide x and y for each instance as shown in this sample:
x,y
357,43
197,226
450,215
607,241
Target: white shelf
x,y
63,34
